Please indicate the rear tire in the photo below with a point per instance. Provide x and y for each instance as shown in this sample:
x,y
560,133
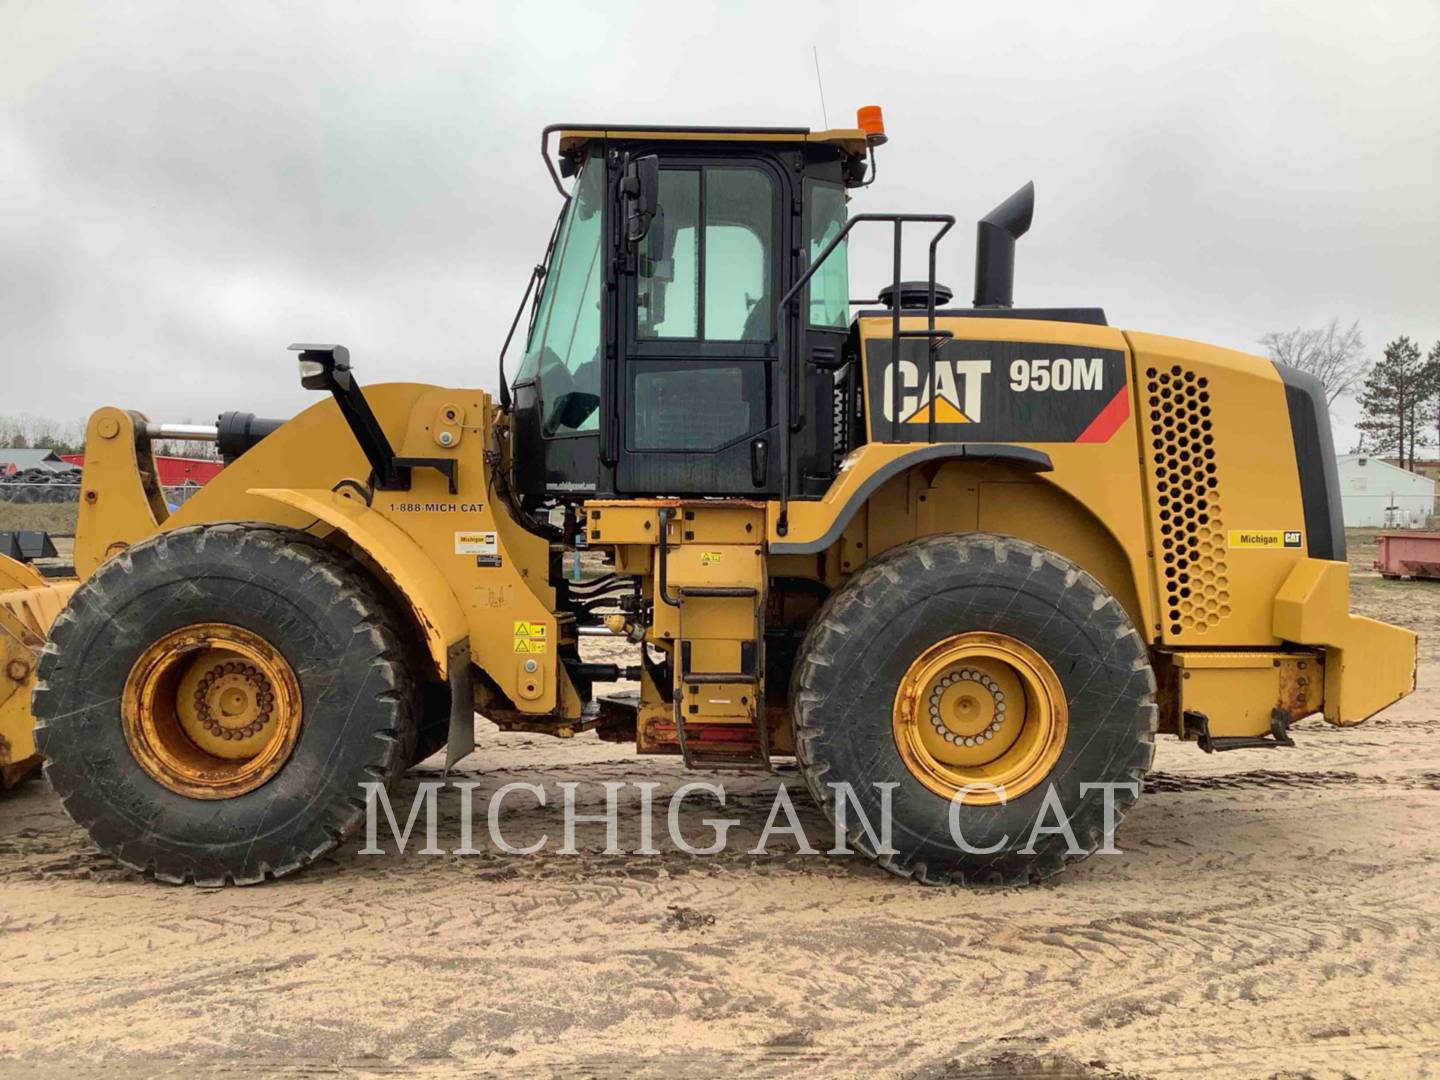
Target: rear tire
x,y
978,595
331,629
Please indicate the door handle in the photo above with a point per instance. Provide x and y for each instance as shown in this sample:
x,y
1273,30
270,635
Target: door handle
x,y
759,461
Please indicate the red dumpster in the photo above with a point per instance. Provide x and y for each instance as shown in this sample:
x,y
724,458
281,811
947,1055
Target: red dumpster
x,y
1408,555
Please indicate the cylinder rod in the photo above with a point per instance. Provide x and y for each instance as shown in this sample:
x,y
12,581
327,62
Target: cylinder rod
x,y
186,432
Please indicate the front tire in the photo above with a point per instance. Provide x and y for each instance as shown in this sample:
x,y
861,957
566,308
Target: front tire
x,y
957,666
211,700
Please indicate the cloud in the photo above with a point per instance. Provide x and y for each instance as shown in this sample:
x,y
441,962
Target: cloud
x,y
188,188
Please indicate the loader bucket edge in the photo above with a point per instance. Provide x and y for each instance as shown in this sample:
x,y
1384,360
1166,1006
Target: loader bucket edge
x,y
29,604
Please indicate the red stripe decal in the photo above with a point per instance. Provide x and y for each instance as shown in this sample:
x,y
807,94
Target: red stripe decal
x,y
1108,420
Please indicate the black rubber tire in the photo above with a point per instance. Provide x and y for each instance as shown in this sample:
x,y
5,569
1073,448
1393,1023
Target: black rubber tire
x,y
873,627
312,603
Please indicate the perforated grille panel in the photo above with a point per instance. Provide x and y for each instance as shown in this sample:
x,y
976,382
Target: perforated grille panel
x,y
1186,483
840,419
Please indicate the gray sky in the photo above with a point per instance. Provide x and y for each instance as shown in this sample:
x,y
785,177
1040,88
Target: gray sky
x,y
189,187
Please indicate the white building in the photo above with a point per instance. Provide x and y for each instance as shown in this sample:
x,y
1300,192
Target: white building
x,y
1376,494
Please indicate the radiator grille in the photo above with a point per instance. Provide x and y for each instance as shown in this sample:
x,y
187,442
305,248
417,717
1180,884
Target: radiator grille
x,y
1187,496
847,414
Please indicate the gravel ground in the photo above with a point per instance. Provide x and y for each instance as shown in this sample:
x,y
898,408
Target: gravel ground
x,y
1272,914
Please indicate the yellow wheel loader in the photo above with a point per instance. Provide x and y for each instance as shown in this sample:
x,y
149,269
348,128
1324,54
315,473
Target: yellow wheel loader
x,y
961,563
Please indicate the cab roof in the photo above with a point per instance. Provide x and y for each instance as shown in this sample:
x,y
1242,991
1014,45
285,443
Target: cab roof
x,y
573,136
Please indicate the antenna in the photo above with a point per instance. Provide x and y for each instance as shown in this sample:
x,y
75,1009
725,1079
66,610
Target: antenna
x,y
821,84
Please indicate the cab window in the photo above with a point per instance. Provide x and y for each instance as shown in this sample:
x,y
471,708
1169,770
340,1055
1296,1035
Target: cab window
x,y
830,287
705,266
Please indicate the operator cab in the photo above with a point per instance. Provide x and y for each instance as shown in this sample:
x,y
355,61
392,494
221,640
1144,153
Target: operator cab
x,y
651,364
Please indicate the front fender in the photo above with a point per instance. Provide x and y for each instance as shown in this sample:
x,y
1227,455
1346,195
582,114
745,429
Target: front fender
x,y
412,574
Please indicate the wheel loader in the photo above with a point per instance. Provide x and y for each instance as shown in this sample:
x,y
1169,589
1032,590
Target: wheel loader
x,y
963,563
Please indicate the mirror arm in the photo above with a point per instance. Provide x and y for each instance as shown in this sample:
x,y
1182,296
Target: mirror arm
x,y
535,276
329,369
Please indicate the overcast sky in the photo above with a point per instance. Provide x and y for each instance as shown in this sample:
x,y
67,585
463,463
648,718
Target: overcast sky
x,y
186,188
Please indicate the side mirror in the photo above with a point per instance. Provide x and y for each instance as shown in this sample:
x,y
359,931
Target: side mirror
x,y
639,191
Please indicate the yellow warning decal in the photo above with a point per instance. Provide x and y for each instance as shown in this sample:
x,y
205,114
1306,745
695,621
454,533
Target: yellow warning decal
x,y
1266,538
710,558
529,637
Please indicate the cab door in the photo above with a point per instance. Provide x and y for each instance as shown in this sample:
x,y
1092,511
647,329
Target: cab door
x,y
698,349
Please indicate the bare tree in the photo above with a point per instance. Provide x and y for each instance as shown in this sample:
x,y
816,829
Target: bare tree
x,y
42,433
186,448
68,437
1335,356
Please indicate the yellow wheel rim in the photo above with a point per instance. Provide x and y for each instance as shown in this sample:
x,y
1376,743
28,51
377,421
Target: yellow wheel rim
x,y
211,711
980,709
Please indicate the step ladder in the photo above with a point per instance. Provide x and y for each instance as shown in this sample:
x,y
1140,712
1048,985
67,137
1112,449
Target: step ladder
x,y
720,714
719,650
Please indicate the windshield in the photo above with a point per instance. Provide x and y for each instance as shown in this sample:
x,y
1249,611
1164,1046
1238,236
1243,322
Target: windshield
x,y
564,345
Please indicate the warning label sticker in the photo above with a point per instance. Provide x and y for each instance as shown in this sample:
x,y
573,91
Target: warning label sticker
x,y
483,545
530,637
1266,538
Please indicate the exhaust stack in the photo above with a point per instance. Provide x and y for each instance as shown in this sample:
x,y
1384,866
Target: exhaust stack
x,y
995,238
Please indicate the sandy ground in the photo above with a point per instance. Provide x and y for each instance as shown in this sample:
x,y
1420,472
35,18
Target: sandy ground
x,y
1273,914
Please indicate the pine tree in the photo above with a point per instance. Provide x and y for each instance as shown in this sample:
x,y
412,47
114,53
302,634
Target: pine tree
x,y
1434,361
1400,395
